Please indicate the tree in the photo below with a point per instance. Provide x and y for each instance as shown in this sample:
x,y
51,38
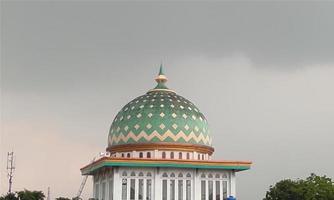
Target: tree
x,y
9,196
313,188
30,195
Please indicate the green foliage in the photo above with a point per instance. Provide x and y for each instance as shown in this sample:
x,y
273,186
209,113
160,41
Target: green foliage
x,y
62,198
9,196
30,195
313,188
24,195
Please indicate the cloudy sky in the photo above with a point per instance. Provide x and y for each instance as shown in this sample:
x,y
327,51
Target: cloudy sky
x,y
262,73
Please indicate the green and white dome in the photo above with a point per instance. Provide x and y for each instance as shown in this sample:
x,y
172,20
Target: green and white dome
x,y
159,116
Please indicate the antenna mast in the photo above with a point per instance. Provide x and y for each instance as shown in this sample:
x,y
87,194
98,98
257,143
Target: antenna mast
x,y
10,169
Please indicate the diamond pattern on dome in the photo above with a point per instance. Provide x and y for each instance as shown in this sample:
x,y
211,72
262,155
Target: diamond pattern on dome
x,y
178,120
148,126
162,126
137,126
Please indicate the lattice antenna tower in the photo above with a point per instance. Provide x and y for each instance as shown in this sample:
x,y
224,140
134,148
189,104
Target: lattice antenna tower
x,y
10,170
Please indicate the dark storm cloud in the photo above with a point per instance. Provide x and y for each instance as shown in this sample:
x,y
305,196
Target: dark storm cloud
x,y
261,72
55,41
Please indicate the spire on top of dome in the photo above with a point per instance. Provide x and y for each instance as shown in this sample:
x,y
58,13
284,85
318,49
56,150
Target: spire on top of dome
x,y
161,79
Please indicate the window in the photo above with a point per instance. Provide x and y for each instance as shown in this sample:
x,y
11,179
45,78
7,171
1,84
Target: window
x,y
180,192
140,154
198,157
188,156
172,155
210,190
188,175
202,156
132,189
124,173
163,154
128,155
172,189
148,155
124,189
164,189
97,191
104,191
140,189
148,189
203,187
188,189
217,190
224,190
133,174
122,155
180,155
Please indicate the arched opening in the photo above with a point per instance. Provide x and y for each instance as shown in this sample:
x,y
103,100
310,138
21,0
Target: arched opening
x,y
128,155
202,156
163,154
148,155
198,157
122,155
188,155
172,155
180,155
141,155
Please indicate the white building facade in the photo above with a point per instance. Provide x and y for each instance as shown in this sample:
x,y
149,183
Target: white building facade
x,y
159,148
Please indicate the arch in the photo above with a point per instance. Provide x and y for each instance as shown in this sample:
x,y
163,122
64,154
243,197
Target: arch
x,y
148,155
210,176
202,156
172,175
180,155
198,157
163,154
141,174
128,155
203,176
217,176
172,155
188,156
141,155
164,175
149,174
180,175
133,174
122,155
188,175
124,173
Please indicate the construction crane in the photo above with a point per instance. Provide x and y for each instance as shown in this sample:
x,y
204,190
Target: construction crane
x,y
82,186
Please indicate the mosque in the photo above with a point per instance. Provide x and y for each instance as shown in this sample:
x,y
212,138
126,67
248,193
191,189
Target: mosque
x,y
159,148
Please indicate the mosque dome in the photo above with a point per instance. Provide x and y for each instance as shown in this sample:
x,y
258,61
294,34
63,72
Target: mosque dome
x,y
160,118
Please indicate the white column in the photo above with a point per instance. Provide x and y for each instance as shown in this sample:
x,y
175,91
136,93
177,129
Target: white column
x,y
206,190
156,185
214,189
184,188
144,188
232,184
136,188
117,189
197,186
155,154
